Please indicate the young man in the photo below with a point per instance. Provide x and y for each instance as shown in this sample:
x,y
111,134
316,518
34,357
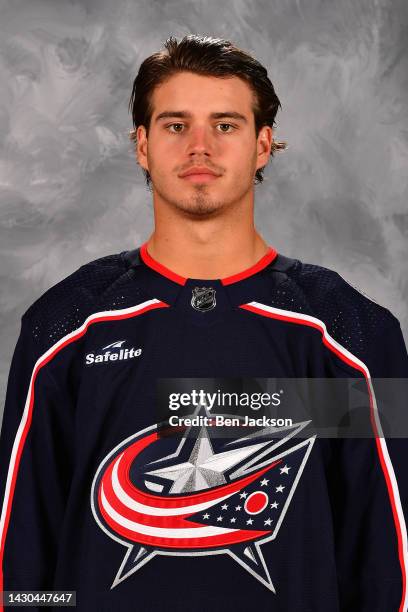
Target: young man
x,y
108,494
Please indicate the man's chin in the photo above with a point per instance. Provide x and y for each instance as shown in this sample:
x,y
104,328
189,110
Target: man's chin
x,y
199,205
200,209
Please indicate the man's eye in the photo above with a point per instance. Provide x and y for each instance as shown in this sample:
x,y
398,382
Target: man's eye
x,y
226,124
175,125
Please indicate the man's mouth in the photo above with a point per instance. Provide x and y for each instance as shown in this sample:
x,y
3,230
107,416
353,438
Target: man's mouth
x,y
199,174
200,177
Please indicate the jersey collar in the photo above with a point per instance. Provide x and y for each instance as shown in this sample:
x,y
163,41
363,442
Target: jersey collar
x,y
269,256
172,288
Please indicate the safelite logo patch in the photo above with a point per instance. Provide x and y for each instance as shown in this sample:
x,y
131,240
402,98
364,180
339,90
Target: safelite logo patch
x,y
112,352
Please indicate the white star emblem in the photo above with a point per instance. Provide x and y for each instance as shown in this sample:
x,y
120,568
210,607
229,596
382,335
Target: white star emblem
x,y
279,489
224,506
206,515
264,482
204,468
233,519
274,505
238,507
267,522
219,518
285,469
243,494
250,521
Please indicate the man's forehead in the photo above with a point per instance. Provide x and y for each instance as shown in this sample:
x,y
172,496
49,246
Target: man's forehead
x,y
178,96
186,114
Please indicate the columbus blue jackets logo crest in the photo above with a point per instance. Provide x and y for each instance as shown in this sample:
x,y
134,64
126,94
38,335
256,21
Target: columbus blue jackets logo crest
x,y
203,298
186,493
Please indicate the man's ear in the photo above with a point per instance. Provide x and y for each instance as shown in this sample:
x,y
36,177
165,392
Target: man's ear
x,y
141,147
264,144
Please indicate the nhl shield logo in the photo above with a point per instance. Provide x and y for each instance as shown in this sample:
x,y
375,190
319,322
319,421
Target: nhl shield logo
x,y
203,298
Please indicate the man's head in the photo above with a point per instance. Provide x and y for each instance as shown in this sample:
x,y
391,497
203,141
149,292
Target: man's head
x,y
203,103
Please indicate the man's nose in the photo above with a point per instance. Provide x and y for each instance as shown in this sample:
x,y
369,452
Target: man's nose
x,y
200,141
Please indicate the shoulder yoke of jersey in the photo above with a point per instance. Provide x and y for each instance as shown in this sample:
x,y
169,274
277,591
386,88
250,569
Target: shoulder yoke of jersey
x,y
112,283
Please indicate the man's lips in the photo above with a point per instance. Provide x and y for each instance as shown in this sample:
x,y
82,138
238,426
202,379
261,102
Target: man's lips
x,y
199,175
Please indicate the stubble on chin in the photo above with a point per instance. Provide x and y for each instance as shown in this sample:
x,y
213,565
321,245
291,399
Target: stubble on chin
x,y
199,205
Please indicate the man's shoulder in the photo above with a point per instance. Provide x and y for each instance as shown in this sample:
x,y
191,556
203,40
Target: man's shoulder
x,y
87,281
350,316
100,284
328,291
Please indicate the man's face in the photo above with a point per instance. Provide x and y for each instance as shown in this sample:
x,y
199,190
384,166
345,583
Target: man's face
x,y
202,122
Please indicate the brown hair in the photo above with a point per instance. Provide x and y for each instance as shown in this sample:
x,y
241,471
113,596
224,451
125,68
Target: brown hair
x,y
206,56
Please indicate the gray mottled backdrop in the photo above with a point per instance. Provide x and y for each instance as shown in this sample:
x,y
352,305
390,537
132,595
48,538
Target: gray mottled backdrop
x,y
70,190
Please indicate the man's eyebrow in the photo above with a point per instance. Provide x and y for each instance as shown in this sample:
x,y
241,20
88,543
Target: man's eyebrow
x,y
188,115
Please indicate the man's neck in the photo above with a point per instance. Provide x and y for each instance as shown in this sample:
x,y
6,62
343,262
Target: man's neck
x,y
206,257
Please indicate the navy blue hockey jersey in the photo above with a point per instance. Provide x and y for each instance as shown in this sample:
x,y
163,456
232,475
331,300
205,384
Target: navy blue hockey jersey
x,y
100,497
